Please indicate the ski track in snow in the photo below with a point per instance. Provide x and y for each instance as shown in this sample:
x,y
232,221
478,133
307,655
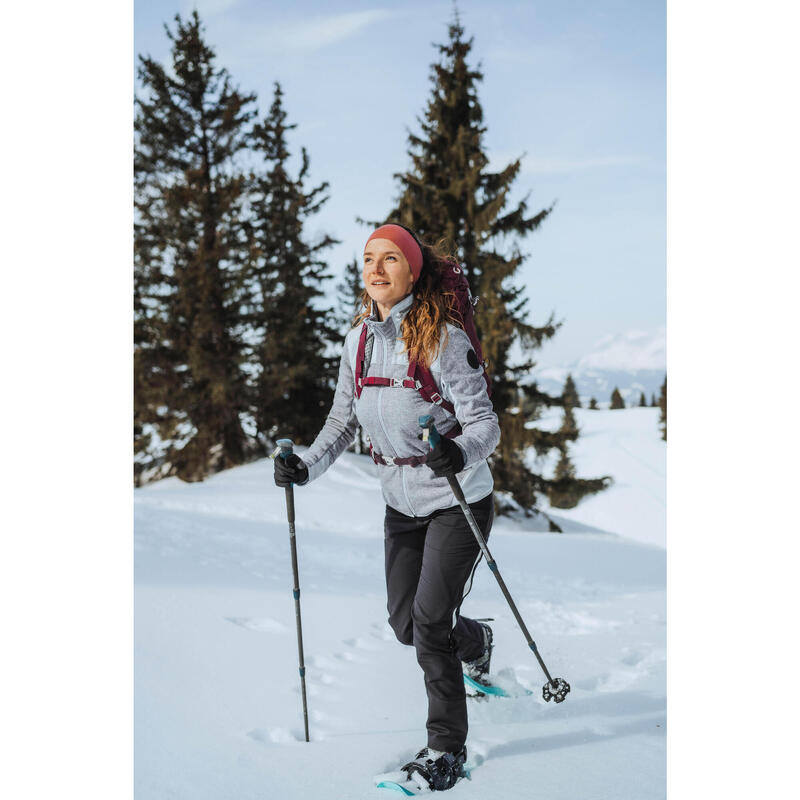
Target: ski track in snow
x,y
218,700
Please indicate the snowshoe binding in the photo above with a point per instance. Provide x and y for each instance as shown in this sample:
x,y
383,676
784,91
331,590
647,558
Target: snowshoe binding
x,y
437,770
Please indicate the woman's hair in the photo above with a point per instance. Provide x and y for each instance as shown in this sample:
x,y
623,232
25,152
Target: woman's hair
x,y
430,310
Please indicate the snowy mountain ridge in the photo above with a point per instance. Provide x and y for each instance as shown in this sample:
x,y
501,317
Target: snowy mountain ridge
x,y
632,350
634,361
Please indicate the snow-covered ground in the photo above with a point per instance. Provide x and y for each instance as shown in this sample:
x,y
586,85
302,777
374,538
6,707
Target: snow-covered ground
x,y
626,444
217,696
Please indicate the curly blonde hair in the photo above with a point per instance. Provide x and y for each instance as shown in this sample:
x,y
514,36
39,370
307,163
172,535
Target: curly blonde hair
x,y
430,310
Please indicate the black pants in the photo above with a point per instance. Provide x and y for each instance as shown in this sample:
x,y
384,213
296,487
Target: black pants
x,y
429,563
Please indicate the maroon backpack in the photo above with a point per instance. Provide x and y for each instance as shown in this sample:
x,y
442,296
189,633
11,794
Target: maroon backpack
x,y
419,377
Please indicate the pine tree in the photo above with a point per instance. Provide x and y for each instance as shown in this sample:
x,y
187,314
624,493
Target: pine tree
x,y
293,375
616,399
653,402
565,471
569,427
348,303
593,404
531,401
570,393
448,193
190,128
642,401
565,490
348,295
662,404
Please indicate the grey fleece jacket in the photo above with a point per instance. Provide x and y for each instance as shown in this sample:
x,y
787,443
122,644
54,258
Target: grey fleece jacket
x,y
390,416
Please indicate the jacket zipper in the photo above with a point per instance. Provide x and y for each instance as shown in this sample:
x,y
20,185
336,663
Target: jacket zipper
x,y
386,432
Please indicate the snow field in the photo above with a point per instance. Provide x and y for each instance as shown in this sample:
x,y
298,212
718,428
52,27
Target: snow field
x,y
217,691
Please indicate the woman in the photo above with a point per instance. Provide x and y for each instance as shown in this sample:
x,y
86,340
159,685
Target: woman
x,y
430,551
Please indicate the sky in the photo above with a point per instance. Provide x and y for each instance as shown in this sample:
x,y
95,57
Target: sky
x,y
577,88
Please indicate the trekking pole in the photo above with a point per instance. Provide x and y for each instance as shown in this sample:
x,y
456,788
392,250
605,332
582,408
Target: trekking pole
x,y
555,688
286,446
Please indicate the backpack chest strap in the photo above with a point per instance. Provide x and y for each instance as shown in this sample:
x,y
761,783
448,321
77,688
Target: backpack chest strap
x,y
418,377
395,383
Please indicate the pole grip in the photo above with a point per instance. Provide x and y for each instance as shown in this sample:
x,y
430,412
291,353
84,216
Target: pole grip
x,y
429,432
286,449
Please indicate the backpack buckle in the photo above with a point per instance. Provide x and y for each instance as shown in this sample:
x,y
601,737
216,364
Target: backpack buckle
x,y
388,460
397,383
436,398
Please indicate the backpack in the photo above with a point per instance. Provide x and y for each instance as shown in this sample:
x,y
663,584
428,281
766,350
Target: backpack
x,y
419,377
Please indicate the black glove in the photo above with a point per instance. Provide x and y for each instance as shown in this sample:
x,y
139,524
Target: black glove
x,y
445,459
290,470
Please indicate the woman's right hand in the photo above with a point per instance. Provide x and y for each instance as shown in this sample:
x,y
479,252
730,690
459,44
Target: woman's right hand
x,y
290,470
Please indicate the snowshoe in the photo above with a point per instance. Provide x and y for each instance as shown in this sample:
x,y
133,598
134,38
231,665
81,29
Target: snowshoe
x,y
436,769
478,670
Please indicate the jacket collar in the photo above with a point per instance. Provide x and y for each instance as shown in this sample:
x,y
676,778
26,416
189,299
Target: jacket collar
x,y
395,318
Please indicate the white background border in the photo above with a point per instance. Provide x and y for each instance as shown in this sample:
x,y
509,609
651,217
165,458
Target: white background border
x,y
66,570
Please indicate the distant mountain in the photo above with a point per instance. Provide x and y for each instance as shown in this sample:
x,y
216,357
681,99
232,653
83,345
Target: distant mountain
x,y
634,362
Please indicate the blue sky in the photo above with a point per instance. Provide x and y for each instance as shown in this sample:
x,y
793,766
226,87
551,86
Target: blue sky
x,y
579,87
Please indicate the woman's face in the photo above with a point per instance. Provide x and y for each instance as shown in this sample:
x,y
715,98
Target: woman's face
x,y
387,274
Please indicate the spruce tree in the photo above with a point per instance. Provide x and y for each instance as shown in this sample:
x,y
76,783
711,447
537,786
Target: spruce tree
x,y
662,404
190,127
532,401
565,471
348,295
569,427
570,393
642,401
593,404
292,365
348,303
449,193
616,399
565,490
653,402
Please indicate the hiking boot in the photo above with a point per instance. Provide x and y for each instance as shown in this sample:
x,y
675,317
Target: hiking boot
x,y
435,769
478,669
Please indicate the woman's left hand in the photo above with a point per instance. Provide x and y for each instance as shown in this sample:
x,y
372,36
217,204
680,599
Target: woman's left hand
x,y
445,459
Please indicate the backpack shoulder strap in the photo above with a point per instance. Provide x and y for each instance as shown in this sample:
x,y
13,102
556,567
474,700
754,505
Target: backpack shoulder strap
x,y
427,386
359,378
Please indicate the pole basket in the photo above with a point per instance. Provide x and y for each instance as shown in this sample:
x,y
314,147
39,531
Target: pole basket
x,y
556,690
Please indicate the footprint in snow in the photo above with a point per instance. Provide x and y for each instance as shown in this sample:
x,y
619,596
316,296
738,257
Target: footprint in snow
x,y
259,624
637,664
316,679
277,735
359,643
323,662
632,657
349,657
382,631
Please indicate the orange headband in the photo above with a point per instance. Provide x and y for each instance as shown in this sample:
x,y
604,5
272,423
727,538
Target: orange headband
x,y
405,241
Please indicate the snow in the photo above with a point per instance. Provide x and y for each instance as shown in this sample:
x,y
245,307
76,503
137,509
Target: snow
x,y
217,692
626,444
